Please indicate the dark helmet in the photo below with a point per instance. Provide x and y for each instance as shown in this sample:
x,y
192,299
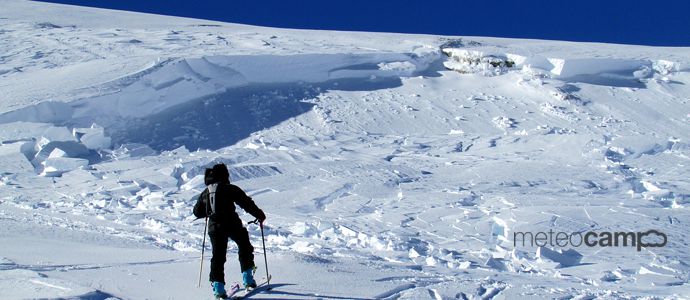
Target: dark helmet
x,y
220,173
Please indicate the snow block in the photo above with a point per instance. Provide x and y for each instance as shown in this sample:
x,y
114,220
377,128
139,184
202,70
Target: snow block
x,y
564,258
22,131
133,150
499,231
93,138
611,276
477,62
304,229
12,158
69,148
57,134
55,166
197,182
497,264
567,68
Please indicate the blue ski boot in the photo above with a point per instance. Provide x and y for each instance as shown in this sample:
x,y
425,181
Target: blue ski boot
x,y
248,278
219,290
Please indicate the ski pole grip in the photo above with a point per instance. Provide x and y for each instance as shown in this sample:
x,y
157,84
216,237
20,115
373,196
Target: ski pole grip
x,y
254,222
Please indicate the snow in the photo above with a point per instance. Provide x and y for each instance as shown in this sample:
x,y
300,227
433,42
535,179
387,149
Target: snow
x,y
55,166
13,158
567,258
390,166
93,138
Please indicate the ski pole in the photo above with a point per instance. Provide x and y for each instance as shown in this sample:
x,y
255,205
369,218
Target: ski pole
x,y
203,247
263,241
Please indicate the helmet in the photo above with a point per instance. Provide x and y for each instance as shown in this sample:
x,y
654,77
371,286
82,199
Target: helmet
x,y
220,173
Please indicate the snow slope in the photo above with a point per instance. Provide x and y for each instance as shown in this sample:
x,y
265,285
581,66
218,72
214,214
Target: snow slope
x,y
390,166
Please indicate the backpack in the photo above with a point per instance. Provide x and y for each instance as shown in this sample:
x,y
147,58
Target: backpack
x,y
206,203
211,200
212,178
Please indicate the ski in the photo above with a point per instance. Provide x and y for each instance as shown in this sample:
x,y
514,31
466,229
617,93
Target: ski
x,y
252,291
228,295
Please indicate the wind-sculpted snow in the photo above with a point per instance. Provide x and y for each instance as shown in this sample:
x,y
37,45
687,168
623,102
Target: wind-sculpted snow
x,y
196,94
387,169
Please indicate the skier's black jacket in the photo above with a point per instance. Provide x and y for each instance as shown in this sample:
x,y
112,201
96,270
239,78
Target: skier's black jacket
x,y
225,217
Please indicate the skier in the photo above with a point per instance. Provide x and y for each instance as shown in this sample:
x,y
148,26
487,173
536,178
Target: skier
x,y
217,202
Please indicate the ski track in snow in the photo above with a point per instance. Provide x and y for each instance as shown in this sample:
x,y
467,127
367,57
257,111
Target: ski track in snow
x,y
397,164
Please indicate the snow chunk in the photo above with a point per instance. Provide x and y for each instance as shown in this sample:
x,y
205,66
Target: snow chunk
x,y
93,138
413,253
564,258
55,166
347,231
665,67
53,134
303,229
499,231
197,182
611,276
651,191
430,261
13,157
565,68
56,138
402,67
252,146
497,264
471,61
57,152
503,122
303,247
133,150
46,148
154,225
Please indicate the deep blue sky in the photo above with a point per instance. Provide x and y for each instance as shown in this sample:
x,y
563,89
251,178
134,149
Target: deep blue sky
x,y
661,23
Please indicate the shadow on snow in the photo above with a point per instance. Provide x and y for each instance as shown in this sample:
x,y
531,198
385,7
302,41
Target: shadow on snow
x,y
271,290
225,119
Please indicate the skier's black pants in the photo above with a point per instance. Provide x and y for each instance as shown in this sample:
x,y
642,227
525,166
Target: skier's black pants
x,y
219,243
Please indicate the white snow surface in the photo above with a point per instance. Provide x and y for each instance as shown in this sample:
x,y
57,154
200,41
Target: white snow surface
x,y
390,166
